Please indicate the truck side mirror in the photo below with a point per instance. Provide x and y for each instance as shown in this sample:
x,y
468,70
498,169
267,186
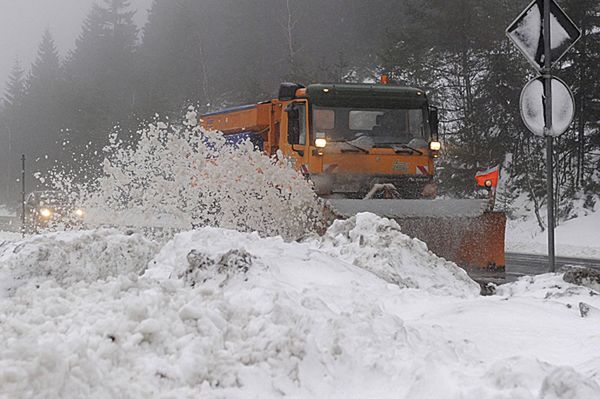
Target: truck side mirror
x,y
434,122
287,91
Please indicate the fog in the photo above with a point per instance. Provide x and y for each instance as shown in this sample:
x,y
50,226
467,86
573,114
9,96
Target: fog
x,y
217,53
22,23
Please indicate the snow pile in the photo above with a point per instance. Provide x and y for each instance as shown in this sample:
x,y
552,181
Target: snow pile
x,y
69,258
378,245
367,241
227,314
550,286
181,176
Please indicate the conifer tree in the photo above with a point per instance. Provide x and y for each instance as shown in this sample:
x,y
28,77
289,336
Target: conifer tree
x,y
15,88
43,105
46,69
100,72
580,71
11,117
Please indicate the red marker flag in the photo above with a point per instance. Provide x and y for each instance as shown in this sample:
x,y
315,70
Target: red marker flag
x,y
488,178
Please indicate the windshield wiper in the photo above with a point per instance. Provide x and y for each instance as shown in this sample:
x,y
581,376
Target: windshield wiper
x,y
409,148
355,146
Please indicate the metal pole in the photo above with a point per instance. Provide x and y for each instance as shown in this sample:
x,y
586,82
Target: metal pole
x,y
547,73
550,188
23,195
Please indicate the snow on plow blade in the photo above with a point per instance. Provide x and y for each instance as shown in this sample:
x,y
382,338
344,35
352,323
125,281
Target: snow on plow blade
x,y
462,231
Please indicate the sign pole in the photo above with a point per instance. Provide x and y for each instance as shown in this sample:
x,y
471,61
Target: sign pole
x,y
23,195
536,96
547,73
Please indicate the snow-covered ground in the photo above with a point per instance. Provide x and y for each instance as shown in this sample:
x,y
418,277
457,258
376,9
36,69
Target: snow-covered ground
x,y
4,211
578,237
8,236
363,312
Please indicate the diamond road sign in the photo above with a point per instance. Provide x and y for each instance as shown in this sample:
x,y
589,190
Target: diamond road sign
x,y
526,32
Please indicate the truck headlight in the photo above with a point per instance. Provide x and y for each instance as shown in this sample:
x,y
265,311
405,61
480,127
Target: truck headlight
x,y
435,146
46,213
79,213
320,143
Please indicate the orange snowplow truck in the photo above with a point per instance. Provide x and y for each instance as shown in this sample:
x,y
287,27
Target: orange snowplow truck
x,y
371,148
349,139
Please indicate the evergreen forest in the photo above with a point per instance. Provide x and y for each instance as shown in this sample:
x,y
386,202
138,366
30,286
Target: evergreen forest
x,y
215,53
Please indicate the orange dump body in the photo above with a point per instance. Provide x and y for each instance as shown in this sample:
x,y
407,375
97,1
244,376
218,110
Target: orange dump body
x,y
254,118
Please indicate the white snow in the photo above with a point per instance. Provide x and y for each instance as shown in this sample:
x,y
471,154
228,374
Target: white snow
x,y
362,312
559,37
529,31
6,212
9,236
72,257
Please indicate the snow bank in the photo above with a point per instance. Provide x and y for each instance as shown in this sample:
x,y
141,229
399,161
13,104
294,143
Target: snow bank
x,y
69,258
577,237
549,286
367,241
225,314
378,245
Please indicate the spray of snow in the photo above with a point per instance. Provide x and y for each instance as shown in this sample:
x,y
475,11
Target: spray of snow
x,y
182,177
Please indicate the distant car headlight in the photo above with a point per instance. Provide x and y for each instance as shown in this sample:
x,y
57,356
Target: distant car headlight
x,y
79,213
320,143
46,213
435,146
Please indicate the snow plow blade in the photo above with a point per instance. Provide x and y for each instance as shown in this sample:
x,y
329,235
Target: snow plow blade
x,y
462,231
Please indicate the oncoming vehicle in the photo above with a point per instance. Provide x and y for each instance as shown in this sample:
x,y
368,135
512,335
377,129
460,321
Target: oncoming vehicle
x,y
51,209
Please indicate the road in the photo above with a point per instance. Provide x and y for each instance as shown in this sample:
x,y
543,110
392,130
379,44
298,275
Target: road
x,y
518,265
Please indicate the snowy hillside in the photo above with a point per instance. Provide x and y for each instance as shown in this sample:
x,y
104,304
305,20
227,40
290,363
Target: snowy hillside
x,y
362,312
577,237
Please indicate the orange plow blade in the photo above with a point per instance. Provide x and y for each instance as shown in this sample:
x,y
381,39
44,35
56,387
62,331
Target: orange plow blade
x,y
462,231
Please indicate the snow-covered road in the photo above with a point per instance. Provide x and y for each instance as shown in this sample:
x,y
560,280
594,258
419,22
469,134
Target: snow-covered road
x,y
362,312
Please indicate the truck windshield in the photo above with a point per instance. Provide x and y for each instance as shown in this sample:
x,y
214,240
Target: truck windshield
x,y
383,127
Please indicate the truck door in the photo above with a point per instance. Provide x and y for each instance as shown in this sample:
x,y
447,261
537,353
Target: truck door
x,y
295,129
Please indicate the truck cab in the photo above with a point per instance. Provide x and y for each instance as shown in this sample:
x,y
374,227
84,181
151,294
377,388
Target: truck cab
x,y
351,137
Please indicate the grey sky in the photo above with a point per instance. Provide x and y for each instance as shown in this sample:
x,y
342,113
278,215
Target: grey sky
x,y
22,23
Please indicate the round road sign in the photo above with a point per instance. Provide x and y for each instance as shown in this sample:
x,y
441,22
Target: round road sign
x,y
532,106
